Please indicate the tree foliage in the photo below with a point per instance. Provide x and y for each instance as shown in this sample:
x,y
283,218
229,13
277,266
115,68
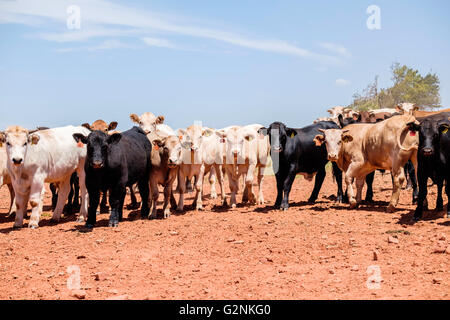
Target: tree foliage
x,y
408,86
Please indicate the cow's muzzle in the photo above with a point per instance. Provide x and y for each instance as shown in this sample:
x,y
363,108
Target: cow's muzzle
x,y
97,164
427,151
17,161
332,157
277,149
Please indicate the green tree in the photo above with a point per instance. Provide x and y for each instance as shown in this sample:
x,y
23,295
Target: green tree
x,y
408,86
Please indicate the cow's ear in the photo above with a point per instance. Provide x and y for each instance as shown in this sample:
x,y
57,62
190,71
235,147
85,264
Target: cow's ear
x,y
319,139
443,127
158,143
33,138
135,118
87,126
79,137
249,136
159,120
347,137
222,135
207,132
291,133
114,138
413,125
263,131
112,125
181,133
2,139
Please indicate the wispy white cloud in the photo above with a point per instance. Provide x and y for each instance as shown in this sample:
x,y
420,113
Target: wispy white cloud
x,y
162,43
101,18
341,82
105,45
336,48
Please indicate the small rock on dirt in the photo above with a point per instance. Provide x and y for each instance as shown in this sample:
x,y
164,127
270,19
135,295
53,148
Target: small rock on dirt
x,y
79,294
392,239
376,254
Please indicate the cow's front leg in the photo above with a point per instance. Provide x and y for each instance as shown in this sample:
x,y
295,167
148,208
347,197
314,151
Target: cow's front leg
x,y
94,199
439,200
287,185
212,181
154,194
369,182
219,176
359,187
199,188
21,205
447,191
280,182
84,196
182,189
167,194
260,185
116,195
320,176
36,202
144,191
12,206
398,177
338,175
233,183
250,172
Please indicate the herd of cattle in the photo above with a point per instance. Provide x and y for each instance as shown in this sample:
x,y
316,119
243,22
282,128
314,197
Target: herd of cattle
x,y
93,161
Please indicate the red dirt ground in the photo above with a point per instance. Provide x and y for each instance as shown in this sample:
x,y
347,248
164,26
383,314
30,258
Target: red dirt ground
x,y
320,251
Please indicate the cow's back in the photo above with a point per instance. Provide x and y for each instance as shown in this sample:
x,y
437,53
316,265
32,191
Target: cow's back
x,y
56,154
136,148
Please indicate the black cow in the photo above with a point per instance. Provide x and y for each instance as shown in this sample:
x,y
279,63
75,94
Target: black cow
x,y
114,162
433,158
297,153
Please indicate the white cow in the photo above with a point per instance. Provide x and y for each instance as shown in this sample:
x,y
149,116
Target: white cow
x,y
45,156
5,179
147,121
246,150
201,152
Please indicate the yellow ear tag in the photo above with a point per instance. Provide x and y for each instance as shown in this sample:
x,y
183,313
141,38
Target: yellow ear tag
x,y
292,135
445,130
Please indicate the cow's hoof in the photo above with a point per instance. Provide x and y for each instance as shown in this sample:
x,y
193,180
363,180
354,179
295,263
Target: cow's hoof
x,y
233,205
17,226
312,200
152,216
113,224
32,226
415,219
353,205
54,220
199,208
390,209
80,219
89,225
213,196
166,214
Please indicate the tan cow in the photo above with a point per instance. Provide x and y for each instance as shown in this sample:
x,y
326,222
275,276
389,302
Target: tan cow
x,y
101,126
362,148
5,179
166,158
147,121
246,150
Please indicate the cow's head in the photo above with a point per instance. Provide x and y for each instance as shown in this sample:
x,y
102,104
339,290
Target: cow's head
x,y
192,138
345,121
406,108
17,141
430,133
100,125
98,144
278,135
170,149
235,138
147,121
333,139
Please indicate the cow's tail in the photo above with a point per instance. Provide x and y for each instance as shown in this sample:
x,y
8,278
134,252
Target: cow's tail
x,y
414,147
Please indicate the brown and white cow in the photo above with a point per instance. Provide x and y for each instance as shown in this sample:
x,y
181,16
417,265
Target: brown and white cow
x,y
245,151
360,149
44,157
101,125
147,121
166,158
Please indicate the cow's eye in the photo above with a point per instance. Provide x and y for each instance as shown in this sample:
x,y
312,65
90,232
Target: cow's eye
x,y
8,144
25,144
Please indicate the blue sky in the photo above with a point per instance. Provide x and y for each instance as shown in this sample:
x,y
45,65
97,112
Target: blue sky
x,y
221,62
